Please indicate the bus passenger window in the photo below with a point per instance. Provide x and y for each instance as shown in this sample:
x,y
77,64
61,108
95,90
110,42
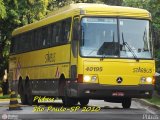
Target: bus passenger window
x,y
58,32
44,37
66,29
53,39
36,43
49,35
12,48
44,42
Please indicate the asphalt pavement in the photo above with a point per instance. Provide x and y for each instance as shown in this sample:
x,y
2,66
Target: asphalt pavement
x,y
96,110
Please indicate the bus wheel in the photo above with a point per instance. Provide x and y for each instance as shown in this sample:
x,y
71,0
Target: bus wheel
x,y
84,101
126,103
29,92
68,101
21,92
35,102
75,101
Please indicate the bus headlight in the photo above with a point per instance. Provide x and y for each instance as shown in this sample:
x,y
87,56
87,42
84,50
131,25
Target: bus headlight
x,y
87,78
143,79
94,78
149,79
90,78
146,80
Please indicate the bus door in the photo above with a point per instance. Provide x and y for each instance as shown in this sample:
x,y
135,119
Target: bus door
x,y
74,46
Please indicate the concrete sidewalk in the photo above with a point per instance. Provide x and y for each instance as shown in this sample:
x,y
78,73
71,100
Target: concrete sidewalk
x,y
147,103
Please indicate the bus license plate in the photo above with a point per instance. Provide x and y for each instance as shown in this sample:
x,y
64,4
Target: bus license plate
x,y
118,94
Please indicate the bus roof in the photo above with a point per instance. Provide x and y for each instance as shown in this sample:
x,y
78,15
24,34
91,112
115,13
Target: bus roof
x,y
89,9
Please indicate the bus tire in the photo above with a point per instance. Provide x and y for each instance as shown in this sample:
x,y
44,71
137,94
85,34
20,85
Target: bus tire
x,y
61,86
35,102
29,92
84,101
68,101
126,103
21,92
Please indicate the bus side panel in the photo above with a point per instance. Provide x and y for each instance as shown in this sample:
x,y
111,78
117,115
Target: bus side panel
x,y
43,67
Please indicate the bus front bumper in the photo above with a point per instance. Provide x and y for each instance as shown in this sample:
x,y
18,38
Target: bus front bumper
x,y
97,91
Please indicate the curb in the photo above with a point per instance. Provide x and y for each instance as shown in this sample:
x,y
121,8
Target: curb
x,y
146,103
6,100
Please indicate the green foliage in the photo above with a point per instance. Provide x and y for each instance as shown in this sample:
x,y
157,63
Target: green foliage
x,y
18,13
136,3
2,10
113,2
31,10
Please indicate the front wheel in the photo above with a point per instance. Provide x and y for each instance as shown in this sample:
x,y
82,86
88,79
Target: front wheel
x,y
84,101
126,103
68,101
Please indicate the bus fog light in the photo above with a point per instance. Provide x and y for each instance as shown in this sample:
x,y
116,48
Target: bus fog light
x,y
147,93
94,78
87,78
87,91
149,79
143,80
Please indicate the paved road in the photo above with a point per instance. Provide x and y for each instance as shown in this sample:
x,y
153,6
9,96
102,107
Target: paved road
x,y
100,111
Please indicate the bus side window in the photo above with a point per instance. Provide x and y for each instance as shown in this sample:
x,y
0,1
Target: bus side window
x,y
12,48
26,40
66,25
58,32
44,37
30,40
49,35
16,43
21,43
53,39
35,39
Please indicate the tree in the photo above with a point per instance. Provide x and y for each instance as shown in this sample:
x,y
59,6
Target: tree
x,y
2,10
113,2
2,16
136,3
31,10
18,13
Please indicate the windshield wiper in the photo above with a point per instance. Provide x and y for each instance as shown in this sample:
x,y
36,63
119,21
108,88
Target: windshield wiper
x,y
129,48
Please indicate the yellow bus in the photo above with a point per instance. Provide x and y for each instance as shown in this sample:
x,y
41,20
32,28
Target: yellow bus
x,y
85,51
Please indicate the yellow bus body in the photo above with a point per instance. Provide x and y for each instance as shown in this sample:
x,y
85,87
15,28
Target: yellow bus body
x,y
50,63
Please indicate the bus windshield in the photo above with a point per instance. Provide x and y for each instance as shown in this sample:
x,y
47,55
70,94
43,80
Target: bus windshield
x,y
112,37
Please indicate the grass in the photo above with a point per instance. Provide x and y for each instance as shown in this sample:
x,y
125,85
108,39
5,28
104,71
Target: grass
x,y
5,97
155,100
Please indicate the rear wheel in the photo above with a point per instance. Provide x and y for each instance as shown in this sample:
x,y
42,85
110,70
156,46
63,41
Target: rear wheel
x,y
35,102
126,103
21,92
84,101
29,92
